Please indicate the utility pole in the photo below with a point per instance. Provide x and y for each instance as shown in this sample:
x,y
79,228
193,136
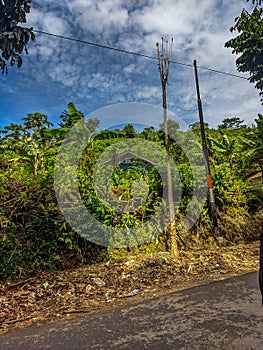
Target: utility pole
x,y
164,58
205,150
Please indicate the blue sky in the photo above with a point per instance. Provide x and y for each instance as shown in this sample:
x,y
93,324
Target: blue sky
x,y
57,71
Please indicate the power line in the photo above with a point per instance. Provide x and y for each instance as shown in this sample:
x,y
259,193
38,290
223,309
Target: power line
x,y
95,44
133,53
221,72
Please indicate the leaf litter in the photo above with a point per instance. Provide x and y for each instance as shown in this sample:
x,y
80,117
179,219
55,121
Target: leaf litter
x,y
52,296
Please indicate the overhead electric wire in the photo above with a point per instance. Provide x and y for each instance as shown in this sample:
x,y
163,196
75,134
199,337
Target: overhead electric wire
x,y
222,72
133,53
95,44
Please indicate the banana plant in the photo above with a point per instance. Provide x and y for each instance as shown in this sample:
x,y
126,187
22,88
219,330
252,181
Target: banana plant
x,y
28,141
253,145
69,119
226,147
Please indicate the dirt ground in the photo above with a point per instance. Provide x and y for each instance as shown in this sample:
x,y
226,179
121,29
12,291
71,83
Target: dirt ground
x,y
52,296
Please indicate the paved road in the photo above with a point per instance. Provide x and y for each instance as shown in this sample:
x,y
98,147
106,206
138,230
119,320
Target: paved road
x,y
220,315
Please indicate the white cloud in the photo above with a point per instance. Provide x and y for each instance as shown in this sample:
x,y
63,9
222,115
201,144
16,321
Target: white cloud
x,y
57,71
149,93
99,17
48,21
131,68
171,17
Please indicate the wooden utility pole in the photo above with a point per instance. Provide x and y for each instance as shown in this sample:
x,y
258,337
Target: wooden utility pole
x,y
164,58
205,150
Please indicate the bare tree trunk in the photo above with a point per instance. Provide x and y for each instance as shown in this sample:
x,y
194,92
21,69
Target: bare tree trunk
x,y
261,168
172,228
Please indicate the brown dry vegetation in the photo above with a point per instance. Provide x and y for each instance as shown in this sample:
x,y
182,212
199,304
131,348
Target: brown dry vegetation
x,y
52,296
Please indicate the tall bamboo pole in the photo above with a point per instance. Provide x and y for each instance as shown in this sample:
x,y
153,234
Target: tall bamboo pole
x,y
164,58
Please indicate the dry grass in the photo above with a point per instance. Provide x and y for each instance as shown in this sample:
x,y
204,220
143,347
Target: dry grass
x,y
52,296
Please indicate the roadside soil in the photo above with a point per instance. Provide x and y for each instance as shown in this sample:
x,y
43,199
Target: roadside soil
x,y
52,296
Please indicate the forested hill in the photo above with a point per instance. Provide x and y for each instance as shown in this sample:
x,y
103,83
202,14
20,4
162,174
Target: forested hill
x,y
34,234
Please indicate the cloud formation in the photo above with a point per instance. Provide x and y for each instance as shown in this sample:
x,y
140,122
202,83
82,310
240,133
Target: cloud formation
x,y
57,71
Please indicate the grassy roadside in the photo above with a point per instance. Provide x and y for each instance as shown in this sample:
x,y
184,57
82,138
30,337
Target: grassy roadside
x,y
52,296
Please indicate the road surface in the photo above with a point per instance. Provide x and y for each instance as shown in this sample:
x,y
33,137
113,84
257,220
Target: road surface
x,y
221,315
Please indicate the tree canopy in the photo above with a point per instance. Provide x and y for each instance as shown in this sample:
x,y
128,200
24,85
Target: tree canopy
x,y
232,123
172,127
257,2
13,38
249,43
129,130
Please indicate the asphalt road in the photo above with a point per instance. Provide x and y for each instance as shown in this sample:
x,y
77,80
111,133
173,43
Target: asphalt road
x,y
220,315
